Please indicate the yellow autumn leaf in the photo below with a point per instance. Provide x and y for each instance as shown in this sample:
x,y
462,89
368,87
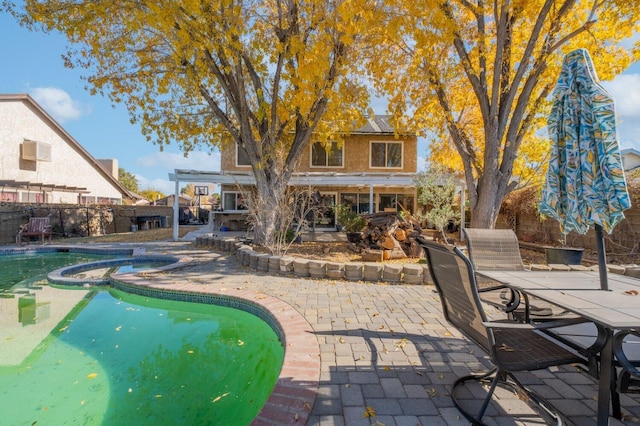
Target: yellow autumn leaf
x,y
369,412
218,398
92,376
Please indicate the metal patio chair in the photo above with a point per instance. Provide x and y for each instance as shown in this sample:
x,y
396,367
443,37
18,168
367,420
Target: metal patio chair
x,y
513,347
626,346
499,250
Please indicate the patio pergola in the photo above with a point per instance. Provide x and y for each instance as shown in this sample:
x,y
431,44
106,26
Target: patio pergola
x,y
314,179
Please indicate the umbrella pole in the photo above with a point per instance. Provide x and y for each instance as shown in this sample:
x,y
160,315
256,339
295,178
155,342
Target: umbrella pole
x,y
602,258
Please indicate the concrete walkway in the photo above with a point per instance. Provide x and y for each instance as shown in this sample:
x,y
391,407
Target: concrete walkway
x,y
387,355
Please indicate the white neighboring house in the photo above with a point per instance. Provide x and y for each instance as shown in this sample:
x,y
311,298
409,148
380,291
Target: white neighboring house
x,y
41,163
630,159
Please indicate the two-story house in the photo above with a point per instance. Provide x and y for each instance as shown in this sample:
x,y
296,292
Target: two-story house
x,y
372,171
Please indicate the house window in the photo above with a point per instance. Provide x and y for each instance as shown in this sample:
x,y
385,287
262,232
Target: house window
x,y
359,203
242,158
87,199
386,154
390,202
32,197
233,201
329,155
9,197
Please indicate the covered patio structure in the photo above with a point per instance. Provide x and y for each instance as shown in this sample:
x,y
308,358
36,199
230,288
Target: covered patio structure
x,y
353,182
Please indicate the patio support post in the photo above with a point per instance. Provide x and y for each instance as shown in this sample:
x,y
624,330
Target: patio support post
x,y
371,198
176,213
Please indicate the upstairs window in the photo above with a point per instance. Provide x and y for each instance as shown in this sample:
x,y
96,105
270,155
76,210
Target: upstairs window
x,y
242,158
386,155
329,155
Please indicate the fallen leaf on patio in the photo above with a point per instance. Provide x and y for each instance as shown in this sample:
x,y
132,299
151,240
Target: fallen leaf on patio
x,y
342,340
631,292
307,406
369,412
401,344
386,368
432,392
505,348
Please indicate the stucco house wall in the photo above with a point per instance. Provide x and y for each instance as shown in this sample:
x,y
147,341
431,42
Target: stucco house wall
x,y
70,165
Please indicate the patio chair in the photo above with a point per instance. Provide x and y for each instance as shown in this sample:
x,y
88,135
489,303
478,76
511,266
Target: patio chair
x,y
37,227
490,250
499,250
626,347
513,347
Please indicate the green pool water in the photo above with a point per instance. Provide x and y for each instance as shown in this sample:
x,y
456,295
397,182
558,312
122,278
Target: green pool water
x,y
110,358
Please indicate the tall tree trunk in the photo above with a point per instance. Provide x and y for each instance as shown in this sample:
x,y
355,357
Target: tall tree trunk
x,y
265,208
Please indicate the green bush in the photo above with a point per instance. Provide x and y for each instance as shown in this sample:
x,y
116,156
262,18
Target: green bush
x,y
350,220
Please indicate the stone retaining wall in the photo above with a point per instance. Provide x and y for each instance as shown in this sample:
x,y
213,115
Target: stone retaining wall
x,y
391,273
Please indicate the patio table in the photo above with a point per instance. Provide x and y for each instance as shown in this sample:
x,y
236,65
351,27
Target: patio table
x,y
579,292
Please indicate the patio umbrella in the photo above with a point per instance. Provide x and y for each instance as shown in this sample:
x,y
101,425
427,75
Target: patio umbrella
x,y
585,183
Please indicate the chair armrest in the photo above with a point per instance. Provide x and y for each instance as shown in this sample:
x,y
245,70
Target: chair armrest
x,y
534,325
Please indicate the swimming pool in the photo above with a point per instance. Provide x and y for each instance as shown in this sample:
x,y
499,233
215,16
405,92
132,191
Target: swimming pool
x,y
108,359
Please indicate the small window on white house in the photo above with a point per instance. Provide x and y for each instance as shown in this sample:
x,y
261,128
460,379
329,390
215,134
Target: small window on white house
x,y
242,158
386,155
329,155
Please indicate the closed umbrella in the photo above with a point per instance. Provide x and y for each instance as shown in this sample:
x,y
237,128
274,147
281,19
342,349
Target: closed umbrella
x,y
585,183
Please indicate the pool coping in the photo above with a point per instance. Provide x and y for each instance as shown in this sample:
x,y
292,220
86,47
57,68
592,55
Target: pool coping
x,y
63,276
294,393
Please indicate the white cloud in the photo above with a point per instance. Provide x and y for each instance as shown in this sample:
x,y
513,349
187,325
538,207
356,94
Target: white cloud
x,y
163,185
195,161
58,103
625,89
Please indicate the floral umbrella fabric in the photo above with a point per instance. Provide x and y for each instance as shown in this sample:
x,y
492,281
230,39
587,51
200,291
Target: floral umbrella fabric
x,y
585,182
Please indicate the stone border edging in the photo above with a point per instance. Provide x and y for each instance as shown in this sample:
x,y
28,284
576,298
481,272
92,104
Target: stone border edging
x,y
390,273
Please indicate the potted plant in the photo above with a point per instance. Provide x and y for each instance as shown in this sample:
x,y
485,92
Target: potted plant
x,y
351,222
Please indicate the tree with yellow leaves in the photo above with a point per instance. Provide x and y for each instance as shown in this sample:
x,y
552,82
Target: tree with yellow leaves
x,y
264,75
478,74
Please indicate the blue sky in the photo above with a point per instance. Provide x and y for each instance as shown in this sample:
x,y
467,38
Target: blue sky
x,y
32,64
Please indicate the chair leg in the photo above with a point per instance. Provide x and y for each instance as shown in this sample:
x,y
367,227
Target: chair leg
x,y
476,419
547,411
